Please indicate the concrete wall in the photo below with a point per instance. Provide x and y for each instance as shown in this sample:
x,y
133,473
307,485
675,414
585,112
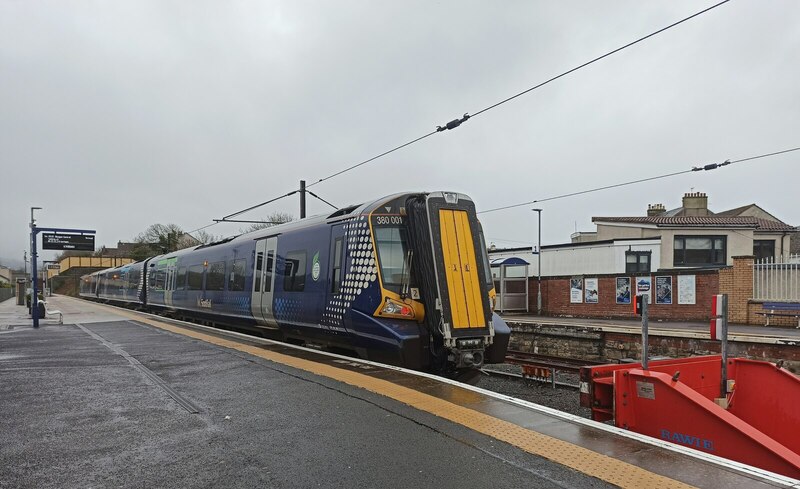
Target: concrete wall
x,y
589,343
739,241
583,258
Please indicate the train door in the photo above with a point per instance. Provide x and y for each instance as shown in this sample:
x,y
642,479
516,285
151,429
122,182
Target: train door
x,y
335,272
169,281
264,282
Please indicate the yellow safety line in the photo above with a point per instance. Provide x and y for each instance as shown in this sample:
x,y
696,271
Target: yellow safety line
x,y
581,459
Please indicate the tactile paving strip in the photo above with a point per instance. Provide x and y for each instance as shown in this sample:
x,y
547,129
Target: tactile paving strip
x,y
583,460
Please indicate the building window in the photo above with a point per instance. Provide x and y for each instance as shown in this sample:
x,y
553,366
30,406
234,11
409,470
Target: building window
x,y
699,251
764,249
294,271
637,261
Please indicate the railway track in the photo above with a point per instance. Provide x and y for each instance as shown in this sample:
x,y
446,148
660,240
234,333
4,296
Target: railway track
x,y
543,368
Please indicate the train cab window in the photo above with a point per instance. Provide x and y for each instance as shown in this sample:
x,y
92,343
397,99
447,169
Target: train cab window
x,y
180,281
336,281
195,278
392,244
488,278
294,271
268,271
237,276
215,280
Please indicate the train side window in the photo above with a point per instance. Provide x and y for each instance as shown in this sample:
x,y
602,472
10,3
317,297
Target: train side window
x,y
257,277
161,276
237,276
180,281
268,271
215,280
134,278
294,271
336,281
195,278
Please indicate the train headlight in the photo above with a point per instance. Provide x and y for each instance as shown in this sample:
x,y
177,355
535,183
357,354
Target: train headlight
x,y
397,309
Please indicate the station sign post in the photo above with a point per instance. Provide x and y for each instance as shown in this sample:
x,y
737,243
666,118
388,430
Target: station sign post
x,y
54,239
719,331
640,306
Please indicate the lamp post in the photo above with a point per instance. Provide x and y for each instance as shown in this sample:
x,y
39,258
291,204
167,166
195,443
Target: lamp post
x,y
34,292
539,267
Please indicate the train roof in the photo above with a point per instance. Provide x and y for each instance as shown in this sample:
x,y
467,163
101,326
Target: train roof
x,y
342,214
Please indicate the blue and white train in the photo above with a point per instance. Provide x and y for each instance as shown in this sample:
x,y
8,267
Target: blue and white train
x,y
403,280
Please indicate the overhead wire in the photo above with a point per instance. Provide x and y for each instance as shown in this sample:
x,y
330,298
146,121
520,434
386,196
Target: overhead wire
x,y
711,166
320,198
457,122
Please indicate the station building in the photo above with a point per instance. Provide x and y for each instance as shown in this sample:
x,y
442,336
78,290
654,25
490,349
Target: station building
x,y
679,257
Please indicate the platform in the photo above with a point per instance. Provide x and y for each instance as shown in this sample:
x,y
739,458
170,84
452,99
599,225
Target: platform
x,y
118,398
689,329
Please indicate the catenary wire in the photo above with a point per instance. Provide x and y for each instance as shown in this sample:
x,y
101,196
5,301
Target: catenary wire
x,y
599,58
320,198
711,166
457,122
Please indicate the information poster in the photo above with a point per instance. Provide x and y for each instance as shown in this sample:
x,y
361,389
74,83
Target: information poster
x,y
686,289
663,290
576,290
623,290
643,286
591,290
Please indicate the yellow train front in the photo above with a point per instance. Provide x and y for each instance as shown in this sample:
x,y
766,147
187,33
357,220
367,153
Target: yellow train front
x,y
434,269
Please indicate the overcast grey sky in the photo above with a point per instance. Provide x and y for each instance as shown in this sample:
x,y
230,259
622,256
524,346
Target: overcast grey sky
x,y
137,112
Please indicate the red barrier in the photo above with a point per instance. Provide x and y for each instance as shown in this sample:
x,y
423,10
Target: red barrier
x,y
674,401
768,398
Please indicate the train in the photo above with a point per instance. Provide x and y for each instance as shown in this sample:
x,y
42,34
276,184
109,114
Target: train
x,y
404,280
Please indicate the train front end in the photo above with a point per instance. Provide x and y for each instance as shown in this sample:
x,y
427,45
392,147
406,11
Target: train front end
x,y
434,269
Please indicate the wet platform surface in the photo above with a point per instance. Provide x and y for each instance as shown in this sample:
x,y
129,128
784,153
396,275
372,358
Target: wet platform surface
x,y
106,400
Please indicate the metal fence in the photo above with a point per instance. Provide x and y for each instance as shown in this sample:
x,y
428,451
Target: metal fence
x,y
777,280
6,293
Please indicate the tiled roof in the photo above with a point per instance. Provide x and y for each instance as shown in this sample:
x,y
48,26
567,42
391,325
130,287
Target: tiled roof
x,y
702,221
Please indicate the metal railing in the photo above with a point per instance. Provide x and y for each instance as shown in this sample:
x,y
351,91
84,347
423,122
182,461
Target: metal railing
x,y
777,280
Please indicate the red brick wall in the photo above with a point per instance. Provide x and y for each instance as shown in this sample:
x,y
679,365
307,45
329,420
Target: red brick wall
x,y
737,282
556,298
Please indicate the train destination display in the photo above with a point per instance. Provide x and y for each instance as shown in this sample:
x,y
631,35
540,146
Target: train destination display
x,y
76,242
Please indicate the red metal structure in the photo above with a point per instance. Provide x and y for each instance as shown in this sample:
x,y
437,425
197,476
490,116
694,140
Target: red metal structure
x,y
674,400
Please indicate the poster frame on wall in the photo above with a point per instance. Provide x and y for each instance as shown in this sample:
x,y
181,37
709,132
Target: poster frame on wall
x,y
590,287
664,289
644,286
576,290
623,284
687,289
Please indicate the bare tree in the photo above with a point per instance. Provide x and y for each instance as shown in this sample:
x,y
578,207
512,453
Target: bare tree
x,y
163,238
205,237
271,220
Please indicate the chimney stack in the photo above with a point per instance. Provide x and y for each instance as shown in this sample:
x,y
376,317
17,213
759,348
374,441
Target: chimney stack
x,y
695,204
655,209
